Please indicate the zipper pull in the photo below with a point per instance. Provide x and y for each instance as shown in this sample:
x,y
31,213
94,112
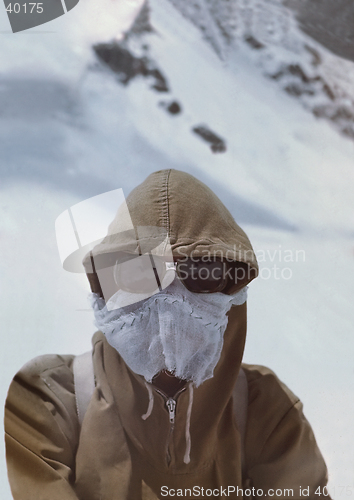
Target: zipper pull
x,y
171,405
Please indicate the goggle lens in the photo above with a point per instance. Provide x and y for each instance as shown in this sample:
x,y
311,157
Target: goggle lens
x,y
202,277
139,275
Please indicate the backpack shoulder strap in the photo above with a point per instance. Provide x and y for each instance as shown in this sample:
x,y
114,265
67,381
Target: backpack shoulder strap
x,y
84,381
240,400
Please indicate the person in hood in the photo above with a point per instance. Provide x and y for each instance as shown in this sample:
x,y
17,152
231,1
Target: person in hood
x,y
173,412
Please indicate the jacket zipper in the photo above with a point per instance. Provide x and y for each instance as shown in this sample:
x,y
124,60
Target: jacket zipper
x,y
171,404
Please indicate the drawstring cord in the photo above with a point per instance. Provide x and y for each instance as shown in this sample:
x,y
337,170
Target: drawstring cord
x,y
187,455
151,402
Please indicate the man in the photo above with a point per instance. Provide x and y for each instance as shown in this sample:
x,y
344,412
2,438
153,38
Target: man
x,y
165,417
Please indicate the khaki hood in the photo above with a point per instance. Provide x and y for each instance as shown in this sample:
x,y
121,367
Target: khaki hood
x,y
171,211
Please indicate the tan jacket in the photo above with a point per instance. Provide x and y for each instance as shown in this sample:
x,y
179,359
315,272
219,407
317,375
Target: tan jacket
x,y
119,455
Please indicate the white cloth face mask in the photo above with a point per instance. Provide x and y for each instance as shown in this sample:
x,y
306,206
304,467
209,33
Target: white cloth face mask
x,y
174,330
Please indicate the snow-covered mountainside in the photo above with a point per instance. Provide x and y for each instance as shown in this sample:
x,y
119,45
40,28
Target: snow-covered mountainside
x,y
322,82
237,100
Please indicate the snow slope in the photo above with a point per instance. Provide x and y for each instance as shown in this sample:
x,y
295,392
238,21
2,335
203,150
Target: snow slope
x,y
69,130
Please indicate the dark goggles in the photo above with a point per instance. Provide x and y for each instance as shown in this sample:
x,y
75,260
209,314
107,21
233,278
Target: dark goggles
x,y
147,274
